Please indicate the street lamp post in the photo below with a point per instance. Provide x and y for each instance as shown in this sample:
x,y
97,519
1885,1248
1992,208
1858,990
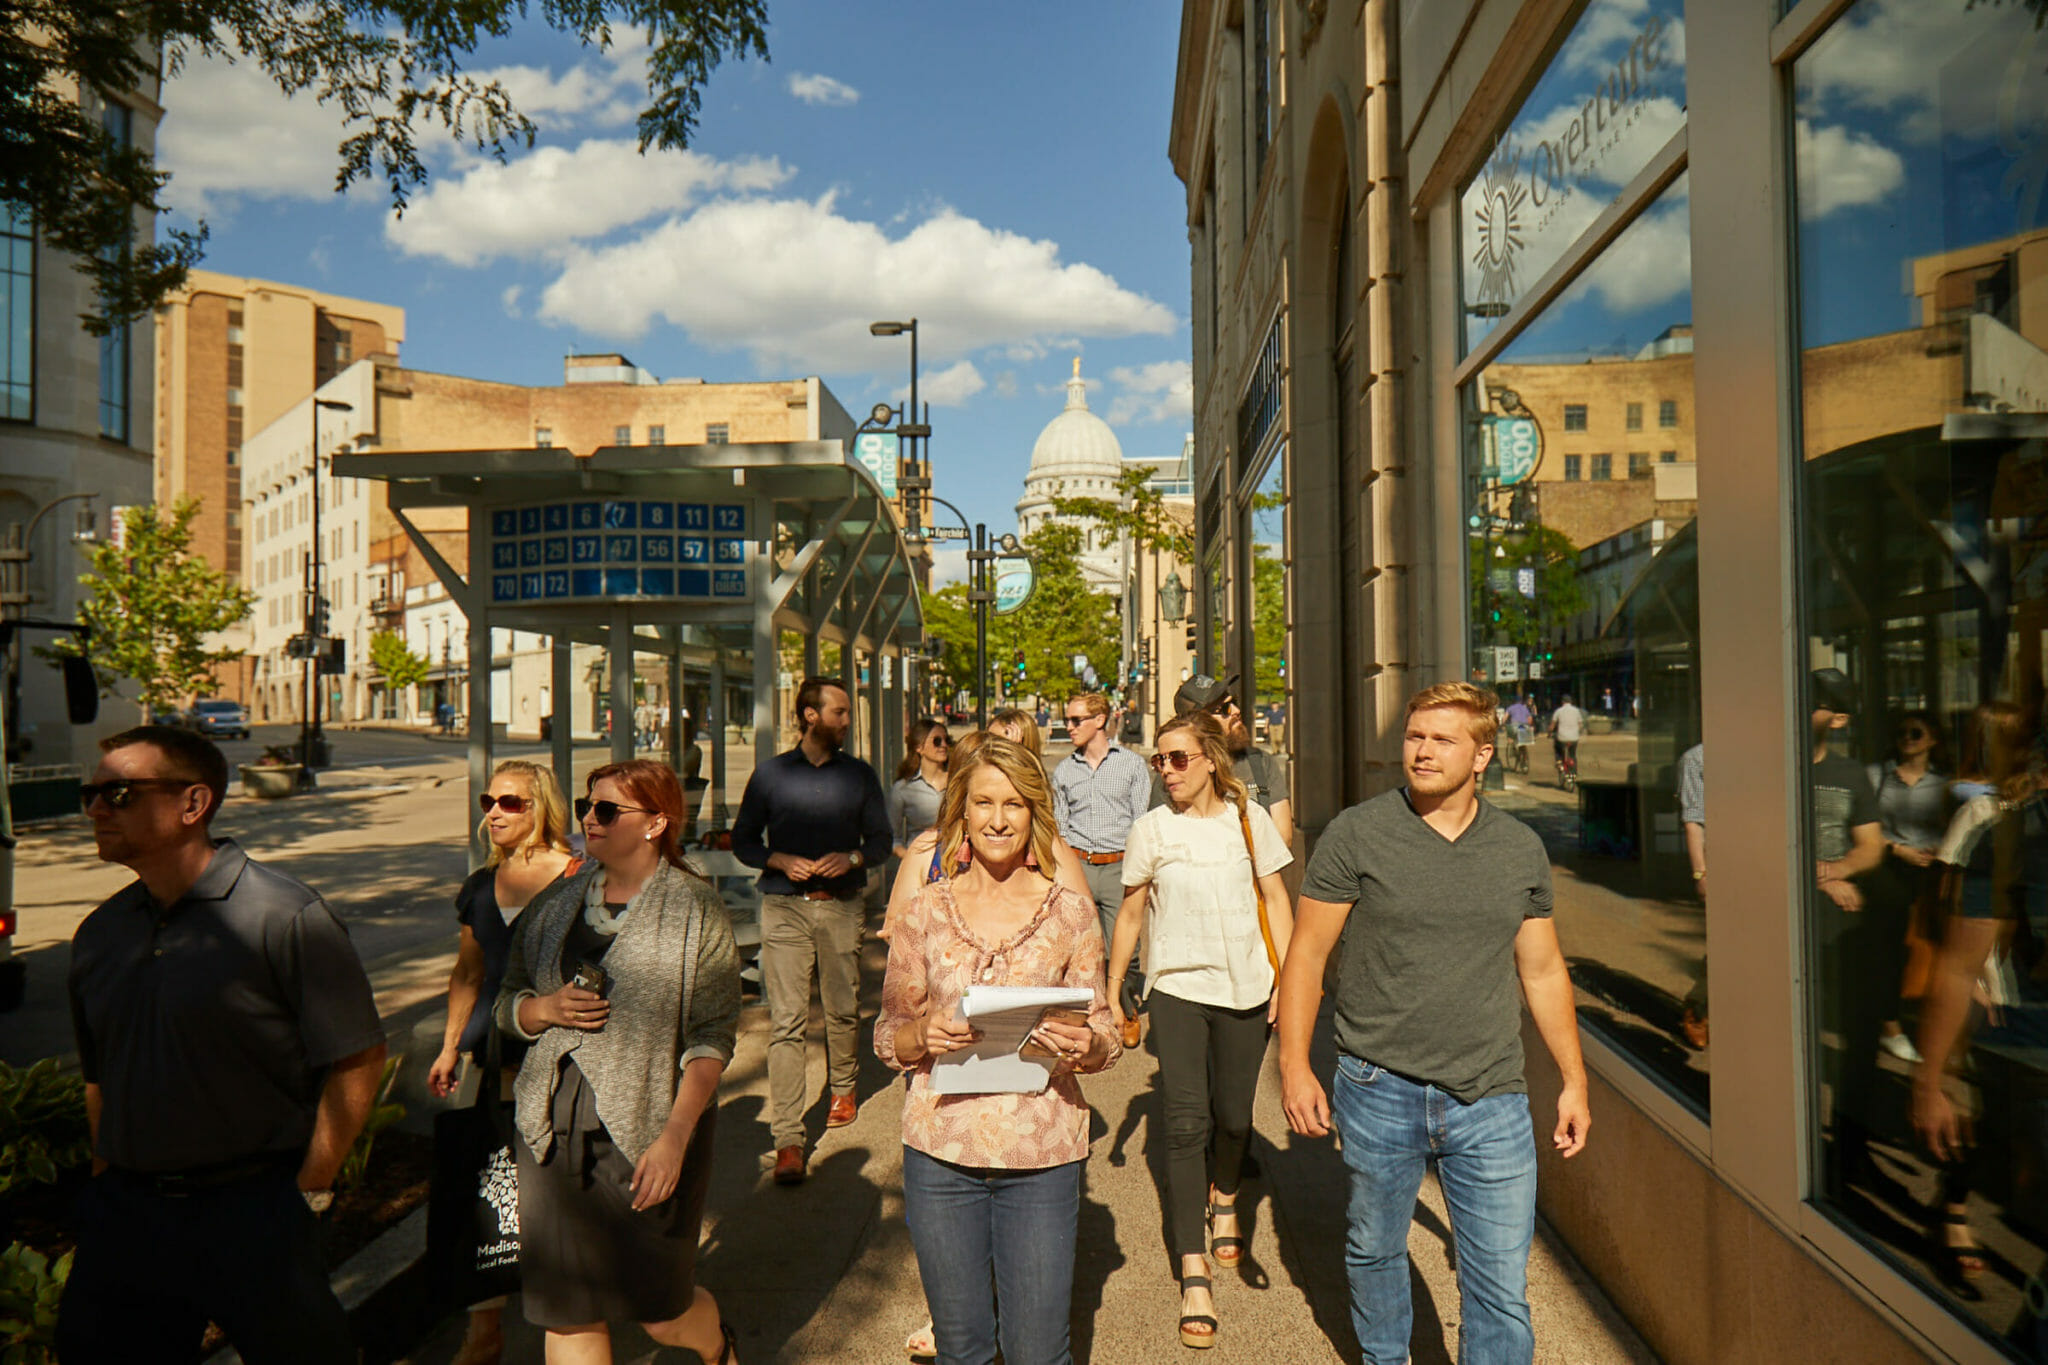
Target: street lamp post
x,y
312,744
913,431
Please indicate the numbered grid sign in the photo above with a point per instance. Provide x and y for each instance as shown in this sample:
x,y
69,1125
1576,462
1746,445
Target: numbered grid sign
x,y
597,549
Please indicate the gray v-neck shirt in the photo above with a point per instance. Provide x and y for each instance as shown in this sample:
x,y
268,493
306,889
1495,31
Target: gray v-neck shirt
x,y
1426,982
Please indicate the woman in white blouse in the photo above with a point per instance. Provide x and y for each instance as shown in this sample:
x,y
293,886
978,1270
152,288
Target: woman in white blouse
x,y
1194,871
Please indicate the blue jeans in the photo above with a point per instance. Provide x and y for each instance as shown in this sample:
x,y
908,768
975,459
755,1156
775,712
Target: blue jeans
x,y
971,1225
1485,1155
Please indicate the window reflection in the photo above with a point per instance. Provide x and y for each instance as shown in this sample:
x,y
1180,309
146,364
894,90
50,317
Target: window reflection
x,y
1922,194
1266,699
1585,599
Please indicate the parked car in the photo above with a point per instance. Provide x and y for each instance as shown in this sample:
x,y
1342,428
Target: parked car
x,y
171,716
216,718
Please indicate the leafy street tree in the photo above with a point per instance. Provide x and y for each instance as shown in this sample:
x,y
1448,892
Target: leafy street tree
x,y
153,605
401,667
1504,614
1138,512
1063,618
386,66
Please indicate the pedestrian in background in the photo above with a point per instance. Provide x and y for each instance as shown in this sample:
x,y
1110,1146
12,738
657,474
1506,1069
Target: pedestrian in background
x,y
913,802
1098,791
1912,812
625,982
812,820
1202,884
992,1182
526,821
1264,773
231,1051
1441,902
1018,727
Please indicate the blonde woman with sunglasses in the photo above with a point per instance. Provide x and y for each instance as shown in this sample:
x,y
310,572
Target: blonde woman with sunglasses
x,y
1195,872
526,822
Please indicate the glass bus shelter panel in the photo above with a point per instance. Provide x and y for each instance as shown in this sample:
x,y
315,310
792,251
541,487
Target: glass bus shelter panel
x,y
1584,598
1922,254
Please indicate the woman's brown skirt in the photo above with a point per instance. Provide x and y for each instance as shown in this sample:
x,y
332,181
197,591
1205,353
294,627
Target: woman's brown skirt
x,y
584,1255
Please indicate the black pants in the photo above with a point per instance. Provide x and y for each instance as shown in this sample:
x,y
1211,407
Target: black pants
x,y
152,1271
1209,1060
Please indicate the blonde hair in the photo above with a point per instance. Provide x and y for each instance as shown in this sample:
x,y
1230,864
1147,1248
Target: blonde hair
x,y
1097,704
1027,729
1215,746
963,751
550,810
1025,773
1481,708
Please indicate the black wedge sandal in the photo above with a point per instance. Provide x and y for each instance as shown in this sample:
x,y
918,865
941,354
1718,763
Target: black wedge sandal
x,y
1228,1251
1189,1322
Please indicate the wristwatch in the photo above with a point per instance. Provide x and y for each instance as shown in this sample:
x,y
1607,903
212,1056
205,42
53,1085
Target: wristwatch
x,y
857,859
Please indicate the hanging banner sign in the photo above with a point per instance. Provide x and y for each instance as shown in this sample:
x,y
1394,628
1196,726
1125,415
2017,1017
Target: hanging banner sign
x,y
1517,448
596,551
878,453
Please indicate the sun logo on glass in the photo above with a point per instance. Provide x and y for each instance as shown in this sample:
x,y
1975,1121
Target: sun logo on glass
x,y
1497,227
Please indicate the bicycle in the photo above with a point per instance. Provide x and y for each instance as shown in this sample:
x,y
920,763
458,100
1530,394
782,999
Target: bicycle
x,y
1518,751
1567,760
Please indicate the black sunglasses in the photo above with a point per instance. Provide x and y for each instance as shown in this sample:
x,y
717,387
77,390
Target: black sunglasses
x,y
605,811
941,741
1913,732
1224,707
1081,719
513,805
1179,758
120,794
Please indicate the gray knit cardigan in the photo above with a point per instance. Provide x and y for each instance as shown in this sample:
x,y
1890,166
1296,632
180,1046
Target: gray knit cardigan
x,y
675,996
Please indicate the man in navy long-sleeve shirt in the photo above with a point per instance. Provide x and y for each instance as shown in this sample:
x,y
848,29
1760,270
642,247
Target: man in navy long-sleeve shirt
x,y
812,820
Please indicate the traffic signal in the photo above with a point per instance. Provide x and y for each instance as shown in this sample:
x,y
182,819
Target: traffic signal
x,y
1194,634
1020,665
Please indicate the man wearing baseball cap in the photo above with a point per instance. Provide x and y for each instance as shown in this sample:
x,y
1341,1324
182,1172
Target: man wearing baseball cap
x,y
1263,772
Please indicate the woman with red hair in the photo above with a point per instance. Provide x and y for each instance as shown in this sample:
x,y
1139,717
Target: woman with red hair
x,y
626,982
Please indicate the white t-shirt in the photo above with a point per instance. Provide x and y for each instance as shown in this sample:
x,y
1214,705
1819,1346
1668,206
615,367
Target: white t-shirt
x,y
1202,940
1568,720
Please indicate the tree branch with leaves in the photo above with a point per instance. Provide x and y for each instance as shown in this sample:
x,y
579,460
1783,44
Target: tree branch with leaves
x,y
388,67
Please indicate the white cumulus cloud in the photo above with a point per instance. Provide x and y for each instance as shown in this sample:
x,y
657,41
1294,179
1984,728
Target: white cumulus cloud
x,y
813,88
228,130
795,282
947,388
1841,169
555,196
587,94
510,299
1163,391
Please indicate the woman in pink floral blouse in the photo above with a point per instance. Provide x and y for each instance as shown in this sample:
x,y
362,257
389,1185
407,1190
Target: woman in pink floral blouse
x,y
992,1183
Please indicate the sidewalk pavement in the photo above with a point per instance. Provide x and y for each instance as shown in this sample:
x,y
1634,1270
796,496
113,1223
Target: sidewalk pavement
x,y
824,1272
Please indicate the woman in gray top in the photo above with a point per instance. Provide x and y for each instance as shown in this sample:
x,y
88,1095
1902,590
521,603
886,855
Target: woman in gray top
x,y
616,1114
913,800
1913,805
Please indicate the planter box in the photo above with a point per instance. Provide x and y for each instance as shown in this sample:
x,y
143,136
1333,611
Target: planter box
x,y
269,781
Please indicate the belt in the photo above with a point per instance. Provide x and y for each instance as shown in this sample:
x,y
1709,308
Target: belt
x,y
1100,859
820,895
181,1184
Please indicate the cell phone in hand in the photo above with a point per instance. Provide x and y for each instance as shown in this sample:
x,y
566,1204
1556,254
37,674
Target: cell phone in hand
x,y
593,978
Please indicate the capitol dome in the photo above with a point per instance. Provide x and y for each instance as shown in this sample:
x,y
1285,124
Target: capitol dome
x,y
1077,445
1077,456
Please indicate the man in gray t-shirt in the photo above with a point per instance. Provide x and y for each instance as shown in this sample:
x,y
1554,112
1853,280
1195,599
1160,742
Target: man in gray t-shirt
x,y
1451,900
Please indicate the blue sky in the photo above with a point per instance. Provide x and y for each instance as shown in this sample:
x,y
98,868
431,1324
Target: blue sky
x,y
1000,172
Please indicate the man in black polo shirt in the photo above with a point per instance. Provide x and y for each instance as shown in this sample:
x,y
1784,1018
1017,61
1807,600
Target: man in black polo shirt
x,y
231,1050
1452,901
812,820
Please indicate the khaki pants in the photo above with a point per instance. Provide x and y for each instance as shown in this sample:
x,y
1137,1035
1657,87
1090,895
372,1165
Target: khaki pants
x,y
795,934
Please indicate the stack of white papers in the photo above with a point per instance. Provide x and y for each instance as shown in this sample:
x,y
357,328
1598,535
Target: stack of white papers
x,y
1005,1016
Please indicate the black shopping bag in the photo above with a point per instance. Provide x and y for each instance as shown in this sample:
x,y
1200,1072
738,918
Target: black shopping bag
x,y
473,1205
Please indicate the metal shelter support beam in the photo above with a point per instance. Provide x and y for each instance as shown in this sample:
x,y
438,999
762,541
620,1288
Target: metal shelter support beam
x,y
767,664
675,706
562,728
480,729
620,650
714,716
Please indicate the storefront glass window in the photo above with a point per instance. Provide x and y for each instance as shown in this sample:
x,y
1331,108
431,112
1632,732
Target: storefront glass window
x,y
1265,699
1585,610
1610,99
1922,199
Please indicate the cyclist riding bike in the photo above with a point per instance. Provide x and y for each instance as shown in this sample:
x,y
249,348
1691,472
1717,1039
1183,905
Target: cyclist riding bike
x,y
1567,724
1521,726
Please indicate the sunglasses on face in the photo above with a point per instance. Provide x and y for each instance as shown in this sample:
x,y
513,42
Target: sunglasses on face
x,y
512,805
605,811
1081,719
1179,758
941,741
1224,707
1913,732
120,794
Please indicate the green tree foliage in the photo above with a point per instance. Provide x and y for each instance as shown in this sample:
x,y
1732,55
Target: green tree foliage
x,y
1138,512
400,666
1062,618
387,67
153,605
1269,625
1559,593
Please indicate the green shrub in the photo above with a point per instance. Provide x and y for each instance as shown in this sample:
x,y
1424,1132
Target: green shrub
x,y
43,1130
30,1287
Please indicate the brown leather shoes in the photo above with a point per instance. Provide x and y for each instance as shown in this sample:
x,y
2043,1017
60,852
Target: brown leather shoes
x,y
842,1111
789,1166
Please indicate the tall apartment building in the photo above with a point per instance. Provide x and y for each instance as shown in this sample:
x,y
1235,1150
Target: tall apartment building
x,y
233,355
68,431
